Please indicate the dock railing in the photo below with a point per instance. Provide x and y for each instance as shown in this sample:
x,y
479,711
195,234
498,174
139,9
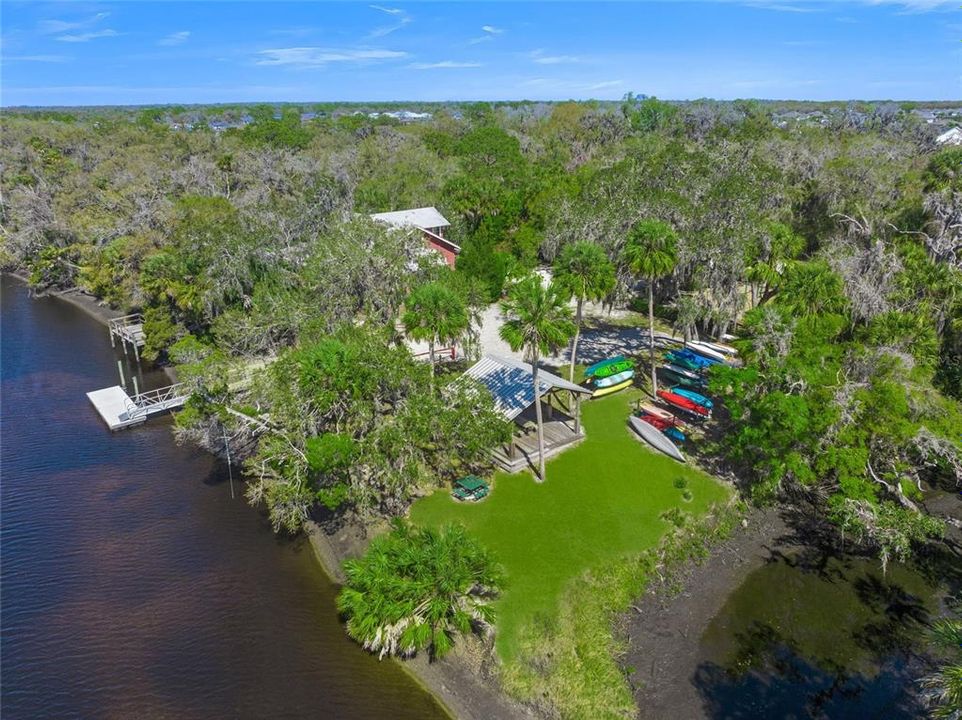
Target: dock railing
x,y
155,401
128,329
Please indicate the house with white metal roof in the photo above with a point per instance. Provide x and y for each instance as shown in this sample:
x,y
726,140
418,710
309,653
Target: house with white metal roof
x,y
511,384
429,222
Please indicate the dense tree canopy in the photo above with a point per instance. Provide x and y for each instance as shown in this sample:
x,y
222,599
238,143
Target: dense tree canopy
x,y
831,241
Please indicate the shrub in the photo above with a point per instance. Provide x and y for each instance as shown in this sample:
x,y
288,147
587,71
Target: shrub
x,y
417,588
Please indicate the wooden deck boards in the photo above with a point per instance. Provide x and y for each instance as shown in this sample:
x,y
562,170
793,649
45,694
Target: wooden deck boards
x,y
558,436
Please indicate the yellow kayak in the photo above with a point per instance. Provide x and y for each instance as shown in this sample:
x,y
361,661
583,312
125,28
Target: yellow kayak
x,y
601,392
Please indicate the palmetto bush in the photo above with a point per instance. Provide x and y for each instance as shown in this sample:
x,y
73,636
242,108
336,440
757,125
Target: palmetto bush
x,y
416,589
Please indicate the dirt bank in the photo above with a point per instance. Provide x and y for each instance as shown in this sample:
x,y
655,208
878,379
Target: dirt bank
x,y
91,305
664,633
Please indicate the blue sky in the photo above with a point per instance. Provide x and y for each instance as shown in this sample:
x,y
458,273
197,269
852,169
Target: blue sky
x,y
76,53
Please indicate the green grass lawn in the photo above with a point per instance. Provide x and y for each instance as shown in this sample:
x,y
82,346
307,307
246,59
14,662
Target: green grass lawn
x,y
602,500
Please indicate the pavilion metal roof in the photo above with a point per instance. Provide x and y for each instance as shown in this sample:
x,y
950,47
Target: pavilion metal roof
x,y
509,382
424,218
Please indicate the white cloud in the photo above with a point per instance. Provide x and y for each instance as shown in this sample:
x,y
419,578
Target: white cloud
x,y
538,56
177,38
88,36
388,29
37,58
918,5
605,84
402,19
315,57
50,27
781,7
490,32
556,59
762,84
809,6
444,64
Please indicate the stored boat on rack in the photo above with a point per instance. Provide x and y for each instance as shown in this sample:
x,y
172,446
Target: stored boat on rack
x,y
654,437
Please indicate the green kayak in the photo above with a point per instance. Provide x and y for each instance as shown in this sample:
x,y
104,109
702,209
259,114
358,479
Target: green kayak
x,y
592,369
614,368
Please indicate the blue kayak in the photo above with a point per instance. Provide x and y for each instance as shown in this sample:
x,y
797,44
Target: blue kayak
x,y
692,395
614,379
696,357
687,359
675,434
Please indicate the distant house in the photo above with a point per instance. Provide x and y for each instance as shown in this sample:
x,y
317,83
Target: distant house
x,y
950,137
429,222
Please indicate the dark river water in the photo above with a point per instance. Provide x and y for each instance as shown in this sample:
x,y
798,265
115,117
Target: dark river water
x,y
820,636
133,584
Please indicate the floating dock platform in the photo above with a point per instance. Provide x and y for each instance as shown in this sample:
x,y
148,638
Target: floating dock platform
x,y
119,410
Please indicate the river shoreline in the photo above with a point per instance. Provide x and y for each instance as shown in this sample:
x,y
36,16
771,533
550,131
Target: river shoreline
x,y
456,681
452,682
664,629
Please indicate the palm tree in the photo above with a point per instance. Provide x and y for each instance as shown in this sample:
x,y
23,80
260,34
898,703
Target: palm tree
x,y
585,272
651,252
537,321
416,588
436,313
943,688
811,288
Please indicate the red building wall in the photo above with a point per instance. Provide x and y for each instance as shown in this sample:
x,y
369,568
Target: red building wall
x,y
449,255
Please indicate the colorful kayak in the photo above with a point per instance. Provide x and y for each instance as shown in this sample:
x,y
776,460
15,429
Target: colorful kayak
x,y
592,369
707,350
692,395
718,347
698,357
683,372
676,358
654,437
675,434
666,426
614,379
613,368
683,403
601,392
650,409
675,379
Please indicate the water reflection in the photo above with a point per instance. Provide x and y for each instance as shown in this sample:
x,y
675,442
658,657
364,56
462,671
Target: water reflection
x,y
817,635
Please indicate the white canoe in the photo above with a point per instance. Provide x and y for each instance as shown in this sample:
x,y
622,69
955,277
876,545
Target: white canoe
x,y
704,349
725,349
654,437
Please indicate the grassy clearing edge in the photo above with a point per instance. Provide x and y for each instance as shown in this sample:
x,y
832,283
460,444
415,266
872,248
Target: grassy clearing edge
x,y
570,667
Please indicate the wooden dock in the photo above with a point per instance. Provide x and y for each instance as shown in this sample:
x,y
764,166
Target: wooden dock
x,y
119,410
129,329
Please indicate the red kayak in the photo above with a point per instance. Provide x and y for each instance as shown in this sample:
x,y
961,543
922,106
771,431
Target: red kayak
x,y
658,422
684,403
